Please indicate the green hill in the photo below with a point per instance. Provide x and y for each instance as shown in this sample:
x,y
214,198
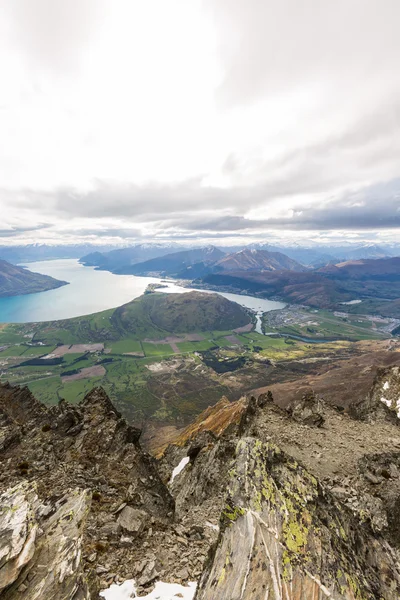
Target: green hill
x,y
179,313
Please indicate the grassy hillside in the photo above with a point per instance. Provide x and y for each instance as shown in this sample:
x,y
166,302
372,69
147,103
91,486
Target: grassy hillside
x,y
16,281
154,314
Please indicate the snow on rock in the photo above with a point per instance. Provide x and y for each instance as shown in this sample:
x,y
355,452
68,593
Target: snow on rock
x,y
162,591
171,591
386,385
179,468
125,591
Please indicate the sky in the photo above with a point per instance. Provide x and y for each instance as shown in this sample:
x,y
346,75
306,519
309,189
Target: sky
x,y
221,121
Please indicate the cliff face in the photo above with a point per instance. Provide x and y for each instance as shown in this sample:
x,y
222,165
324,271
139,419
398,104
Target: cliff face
x,y
252,502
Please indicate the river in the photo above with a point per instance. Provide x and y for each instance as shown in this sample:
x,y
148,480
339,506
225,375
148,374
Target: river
x,y
91,291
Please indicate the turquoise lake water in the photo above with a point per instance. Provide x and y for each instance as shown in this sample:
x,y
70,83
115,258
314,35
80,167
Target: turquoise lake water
x,y
91,291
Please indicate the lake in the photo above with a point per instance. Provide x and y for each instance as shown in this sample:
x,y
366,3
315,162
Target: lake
x,y
91,291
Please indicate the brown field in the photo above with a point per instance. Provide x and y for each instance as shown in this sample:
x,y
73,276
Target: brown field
x,y
244,329
233,340
95,371
173,339
77,349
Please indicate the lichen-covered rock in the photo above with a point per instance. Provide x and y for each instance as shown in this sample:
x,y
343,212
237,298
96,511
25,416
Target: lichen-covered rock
x,y
40,545
283,537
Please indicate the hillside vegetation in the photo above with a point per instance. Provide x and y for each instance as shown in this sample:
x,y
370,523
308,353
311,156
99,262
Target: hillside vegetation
x,y
16,281
180,313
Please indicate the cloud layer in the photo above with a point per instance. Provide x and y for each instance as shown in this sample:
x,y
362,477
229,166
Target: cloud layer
x,y
213,119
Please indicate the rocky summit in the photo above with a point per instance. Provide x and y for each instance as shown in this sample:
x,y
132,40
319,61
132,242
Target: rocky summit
x,y
252,501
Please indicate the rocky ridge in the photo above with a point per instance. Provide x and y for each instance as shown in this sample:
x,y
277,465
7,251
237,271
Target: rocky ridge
x,y
269,502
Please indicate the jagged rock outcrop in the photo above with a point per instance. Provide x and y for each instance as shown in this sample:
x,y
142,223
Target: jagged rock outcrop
x,y
307,410
383,401
89,445
88,448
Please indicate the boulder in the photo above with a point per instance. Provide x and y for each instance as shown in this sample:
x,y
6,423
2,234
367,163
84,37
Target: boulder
x,y
132,520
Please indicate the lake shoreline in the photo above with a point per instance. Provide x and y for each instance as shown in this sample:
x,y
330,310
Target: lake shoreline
x,y
91,290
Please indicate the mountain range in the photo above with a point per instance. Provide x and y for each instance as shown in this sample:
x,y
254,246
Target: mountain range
x,y
320,255
313,254
193,263
326,287
121,259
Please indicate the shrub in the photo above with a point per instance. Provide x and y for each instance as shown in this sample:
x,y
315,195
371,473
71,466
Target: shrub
x,y
101,547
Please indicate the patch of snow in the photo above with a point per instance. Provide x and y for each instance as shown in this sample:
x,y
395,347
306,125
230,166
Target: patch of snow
x,y
386,385
162,591
179,468
215,527
387,402
125,591
170,591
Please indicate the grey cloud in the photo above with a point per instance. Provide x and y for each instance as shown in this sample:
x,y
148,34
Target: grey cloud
x,y
191,208
376,207
100,232
18,231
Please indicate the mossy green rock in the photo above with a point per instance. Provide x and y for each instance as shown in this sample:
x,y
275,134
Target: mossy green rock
x,y
283,537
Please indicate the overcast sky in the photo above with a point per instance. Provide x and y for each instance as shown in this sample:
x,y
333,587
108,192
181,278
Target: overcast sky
x,y
221,120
